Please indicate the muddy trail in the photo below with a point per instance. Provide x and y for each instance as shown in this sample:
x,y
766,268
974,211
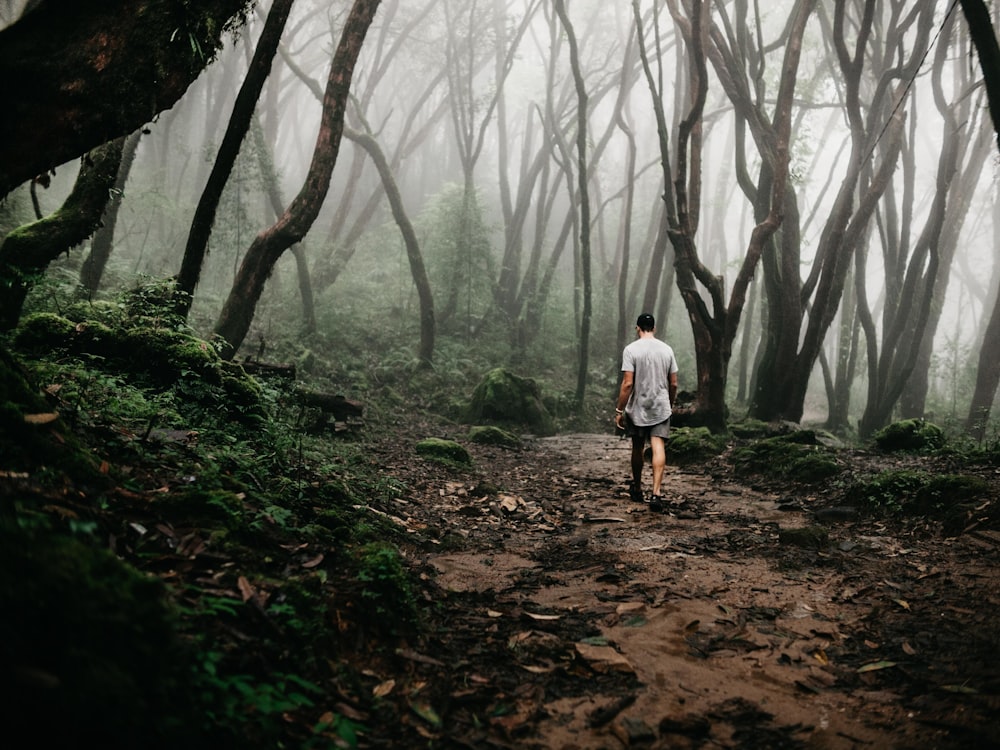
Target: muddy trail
x,y
568,616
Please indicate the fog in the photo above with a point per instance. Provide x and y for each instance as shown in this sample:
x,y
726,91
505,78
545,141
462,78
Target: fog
x,y
473,104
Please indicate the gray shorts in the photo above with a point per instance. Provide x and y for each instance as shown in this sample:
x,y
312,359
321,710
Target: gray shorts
x,y
661,430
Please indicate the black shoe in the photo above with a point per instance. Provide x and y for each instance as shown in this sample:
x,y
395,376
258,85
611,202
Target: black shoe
x,y
635,493
656,503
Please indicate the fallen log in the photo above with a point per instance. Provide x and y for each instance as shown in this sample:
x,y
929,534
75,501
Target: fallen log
x,y
335,405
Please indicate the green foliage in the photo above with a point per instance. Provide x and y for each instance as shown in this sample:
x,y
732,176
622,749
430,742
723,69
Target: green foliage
x,y
791,456
387,587
444,451
911,492
143,336
910,436
240,705
692,444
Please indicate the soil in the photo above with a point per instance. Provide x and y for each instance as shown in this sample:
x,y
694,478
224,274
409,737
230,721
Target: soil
x,y
562,614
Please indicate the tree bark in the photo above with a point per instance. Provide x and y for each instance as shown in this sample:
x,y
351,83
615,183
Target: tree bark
x,y
76,75
239,123
238,311
27,251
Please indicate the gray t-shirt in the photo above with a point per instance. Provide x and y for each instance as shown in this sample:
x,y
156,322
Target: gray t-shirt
x,y
652,361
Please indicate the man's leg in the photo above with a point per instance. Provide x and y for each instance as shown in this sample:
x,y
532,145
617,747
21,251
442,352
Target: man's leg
x,y
659,461
638,443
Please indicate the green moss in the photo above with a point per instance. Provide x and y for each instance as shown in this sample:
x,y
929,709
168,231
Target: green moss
x,y
750,428
910,435
161,356
793,456
888,492
490,435
444,451
690,444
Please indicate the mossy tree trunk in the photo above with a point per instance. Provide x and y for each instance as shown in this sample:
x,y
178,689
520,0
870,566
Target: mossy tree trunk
x,y
27,251
238,311
77,75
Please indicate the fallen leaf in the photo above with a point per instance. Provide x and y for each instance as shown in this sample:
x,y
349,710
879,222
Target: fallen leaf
x,y
314,562
534,616
820,656
41,418
876,665
908,649
428,714
383,688
903,603
246,588
964,689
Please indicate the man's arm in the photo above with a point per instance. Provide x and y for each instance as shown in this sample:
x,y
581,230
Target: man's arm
x,y
628,378
672,389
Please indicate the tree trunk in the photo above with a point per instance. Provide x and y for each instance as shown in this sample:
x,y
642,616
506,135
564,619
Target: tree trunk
x,y
984,38
413,255
27,251
584,200
273,190
267,247
92,269
77,75
236,130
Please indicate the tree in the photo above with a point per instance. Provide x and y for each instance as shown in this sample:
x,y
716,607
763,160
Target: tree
x,y
93,267
715,330
236,130
584,200
238,310
26,252
74,76
800,312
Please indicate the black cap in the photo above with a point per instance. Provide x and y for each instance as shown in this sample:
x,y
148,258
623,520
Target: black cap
x,y
645,322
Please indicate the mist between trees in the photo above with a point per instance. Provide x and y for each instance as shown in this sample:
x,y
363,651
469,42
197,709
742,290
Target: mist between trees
x,y
805,197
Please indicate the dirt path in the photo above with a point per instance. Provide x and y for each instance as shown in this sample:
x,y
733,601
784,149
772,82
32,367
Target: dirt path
x,y
595,623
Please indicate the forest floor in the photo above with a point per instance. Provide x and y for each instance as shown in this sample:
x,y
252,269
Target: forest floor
x,y
567,616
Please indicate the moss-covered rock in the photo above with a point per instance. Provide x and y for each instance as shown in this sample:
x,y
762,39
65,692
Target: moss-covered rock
x,y
508,399
795,456
910,435
161,356
693,444
492,435
444,451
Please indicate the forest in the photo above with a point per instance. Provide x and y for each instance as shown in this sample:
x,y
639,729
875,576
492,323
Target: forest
x,y
311,328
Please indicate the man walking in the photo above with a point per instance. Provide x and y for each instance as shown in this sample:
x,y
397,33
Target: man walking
x,y
645,403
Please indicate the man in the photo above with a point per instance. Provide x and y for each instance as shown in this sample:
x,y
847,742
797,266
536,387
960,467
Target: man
x,y
645,403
